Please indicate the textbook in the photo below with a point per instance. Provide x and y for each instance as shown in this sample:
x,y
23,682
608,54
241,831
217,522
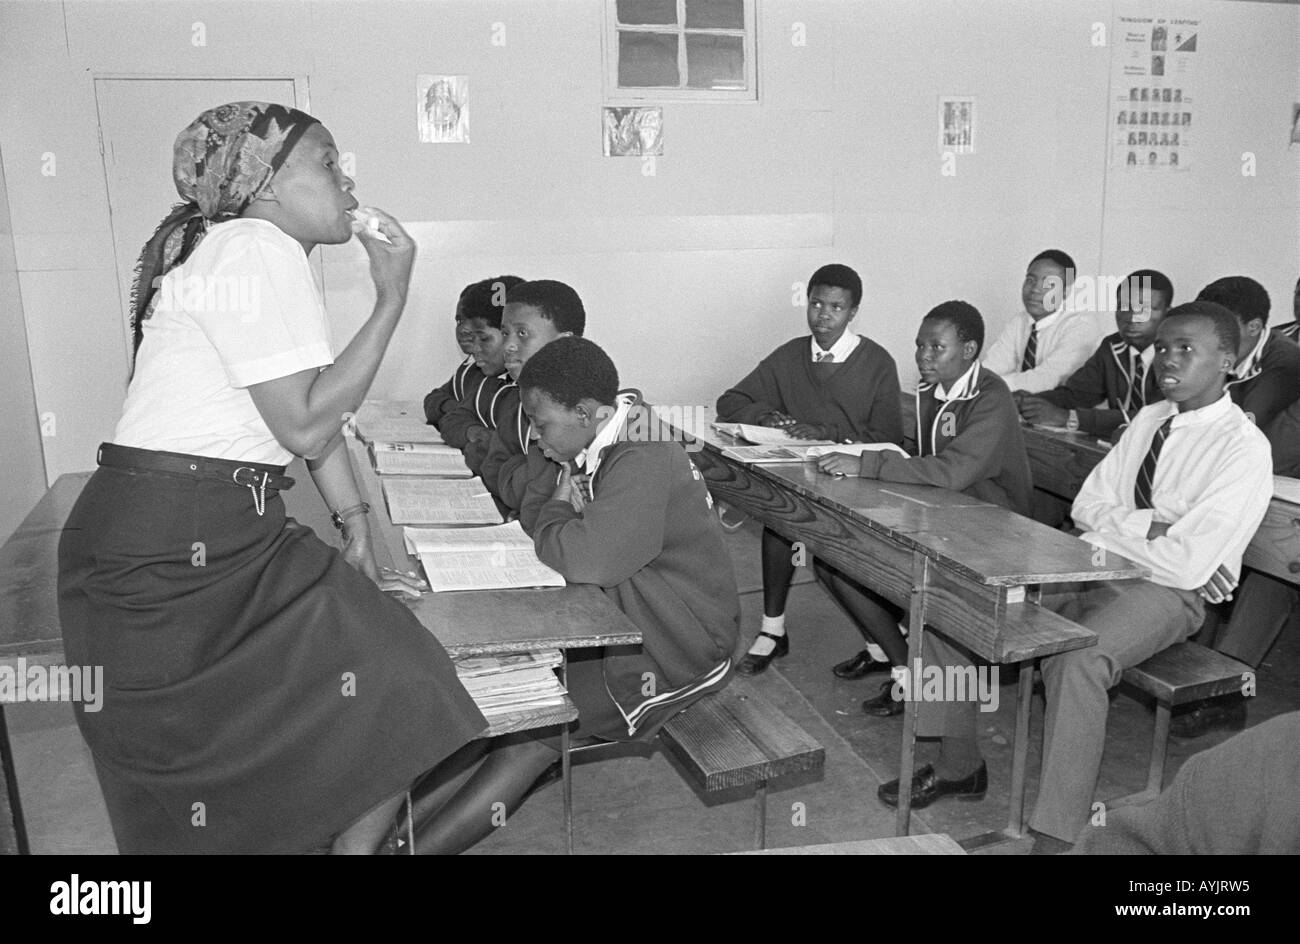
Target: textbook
x,y
510,683
496,558
766,435
394,421
767,455
400,458
856,449
439,501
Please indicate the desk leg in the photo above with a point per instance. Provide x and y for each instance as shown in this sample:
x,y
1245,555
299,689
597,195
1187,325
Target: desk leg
x,y
1020,753
916,627
566,779
10,775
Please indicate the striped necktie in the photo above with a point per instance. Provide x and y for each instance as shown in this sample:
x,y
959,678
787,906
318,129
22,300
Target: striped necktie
x,y
823,356
1030,360
1137,386
1147,474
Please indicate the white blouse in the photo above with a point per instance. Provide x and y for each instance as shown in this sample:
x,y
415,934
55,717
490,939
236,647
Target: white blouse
x,y
242,310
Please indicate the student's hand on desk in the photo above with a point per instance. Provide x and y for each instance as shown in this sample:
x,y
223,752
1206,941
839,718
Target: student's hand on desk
x,y
807,431
1042,413
1219,587
839,463
777,420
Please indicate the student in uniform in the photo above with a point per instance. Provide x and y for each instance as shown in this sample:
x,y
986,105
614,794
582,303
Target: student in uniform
x,y
1266,378
1181,493
536,314
633,518
227,632
1104,394
1048,341
478,332
831,384
968,440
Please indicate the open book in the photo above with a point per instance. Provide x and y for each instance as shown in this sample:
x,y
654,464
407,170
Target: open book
x,y
767,455
766,435
497,558
856,449
394,421
394,458
439,501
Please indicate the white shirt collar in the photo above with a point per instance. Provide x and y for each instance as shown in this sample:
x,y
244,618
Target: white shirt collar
x,y
1250,363
840,350
962,388
1206,414
589,459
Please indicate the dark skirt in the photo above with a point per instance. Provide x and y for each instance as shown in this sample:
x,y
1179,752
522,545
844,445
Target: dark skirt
x,y
261,695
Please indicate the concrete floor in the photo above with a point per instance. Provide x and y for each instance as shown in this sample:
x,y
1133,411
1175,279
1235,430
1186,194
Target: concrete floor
x,y
641,804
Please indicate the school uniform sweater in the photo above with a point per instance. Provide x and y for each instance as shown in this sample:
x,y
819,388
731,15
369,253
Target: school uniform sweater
x,y
648,537
1106,376
968,441
463,382
858,401
494,399
1290,331
1269,381
504,468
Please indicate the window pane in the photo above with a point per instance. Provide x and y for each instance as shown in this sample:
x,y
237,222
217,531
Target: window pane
x,y
715,14
647,60
715,62
640,12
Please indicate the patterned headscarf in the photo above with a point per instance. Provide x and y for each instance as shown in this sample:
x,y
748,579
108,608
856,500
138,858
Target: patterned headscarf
x,y
220,164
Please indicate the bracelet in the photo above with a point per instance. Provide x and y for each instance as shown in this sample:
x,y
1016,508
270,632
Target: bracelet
x,y
338,517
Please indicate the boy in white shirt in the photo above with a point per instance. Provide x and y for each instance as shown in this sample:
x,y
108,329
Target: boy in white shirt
x,y
1047,342
1181,494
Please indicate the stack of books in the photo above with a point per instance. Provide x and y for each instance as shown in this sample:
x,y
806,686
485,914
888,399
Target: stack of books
x,y
512,683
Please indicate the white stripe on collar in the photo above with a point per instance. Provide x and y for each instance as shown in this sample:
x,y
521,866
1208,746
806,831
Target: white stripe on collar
x,y
962,389
1248,369
589,459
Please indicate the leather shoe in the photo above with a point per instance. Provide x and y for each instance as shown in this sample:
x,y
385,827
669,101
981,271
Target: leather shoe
x,y
884,705
1205,716
755,665
860,666
926,787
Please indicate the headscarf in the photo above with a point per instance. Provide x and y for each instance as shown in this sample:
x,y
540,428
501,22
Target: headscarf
x,y
220,163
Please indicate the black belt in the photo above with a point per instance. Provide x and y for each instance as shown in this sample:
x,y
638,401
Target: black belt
x,y
253,475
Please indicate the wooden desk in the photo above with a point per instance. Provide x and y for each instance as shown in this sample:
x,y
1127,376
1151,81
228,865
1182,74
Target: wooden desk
x,y
914,545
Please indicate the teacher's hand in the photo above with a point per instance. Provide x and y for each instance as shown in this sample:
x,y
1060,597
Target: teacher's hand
x,y
358,551
390,262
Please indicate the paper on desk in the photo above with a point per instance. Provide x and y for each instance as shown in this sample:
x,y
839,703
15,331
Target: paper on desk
x,y
856,449
439,501
762,455
1286,488
445,462
496,558
766,435
395,421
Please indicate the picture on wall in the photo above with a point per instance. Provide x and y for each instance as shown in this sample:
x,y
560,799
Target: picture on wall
x,y
633,132
442,109
957,125
1155,61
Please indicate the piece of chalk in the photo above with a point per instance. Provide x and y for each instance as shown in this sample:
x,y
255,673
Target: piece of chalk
x,y
365,218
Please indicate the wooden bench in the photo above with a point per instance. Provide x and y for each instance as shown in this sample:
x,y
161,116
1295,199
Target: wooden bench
x,y
1180,674
735,738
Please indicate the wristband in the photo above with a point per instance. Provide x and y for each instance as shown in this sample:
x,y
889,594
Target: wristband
x,y
338,517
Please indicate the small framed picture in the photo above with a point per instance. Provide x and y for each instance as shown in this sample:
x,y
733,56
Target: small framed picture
x,y
632,132
442,109
957,124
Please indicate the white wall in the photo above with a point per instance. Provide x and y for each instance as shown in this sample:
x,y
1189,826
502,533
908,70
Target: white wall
x,y
686,274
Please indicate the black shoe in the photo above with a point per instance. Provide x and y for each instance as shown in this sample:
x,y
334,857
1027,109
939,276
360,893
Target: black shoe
x,y
1207,715
860,666
926,787
884,705
755,665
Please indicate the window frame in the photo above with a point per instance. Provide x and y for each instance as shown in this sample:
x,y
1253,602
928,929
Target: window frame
x,y
614,95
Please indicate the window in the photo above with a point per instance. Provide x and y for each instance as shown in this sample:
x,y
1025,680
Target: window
x,y
680,50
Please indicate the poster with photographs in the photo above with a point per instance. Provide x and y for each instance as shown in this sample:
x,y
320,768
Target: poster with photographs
x,y
957,125
633,132
442,108
1153,75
